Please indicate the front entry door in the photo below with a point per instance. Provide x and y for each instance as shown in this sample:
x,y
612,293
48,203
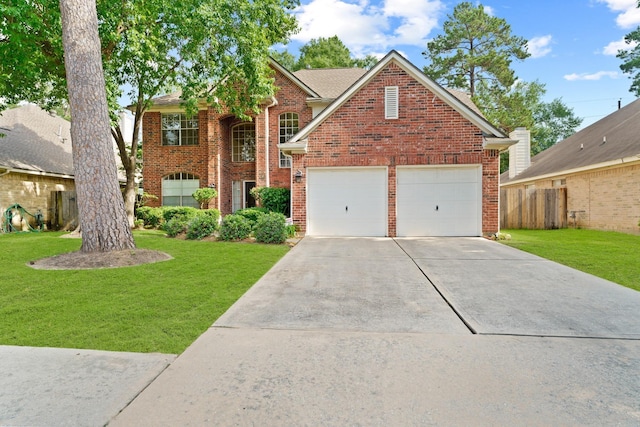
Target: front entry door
x,y
249,200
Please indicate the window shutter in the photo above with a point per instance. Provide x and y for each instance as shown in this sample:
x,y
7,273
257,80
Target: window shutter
x,y
391,102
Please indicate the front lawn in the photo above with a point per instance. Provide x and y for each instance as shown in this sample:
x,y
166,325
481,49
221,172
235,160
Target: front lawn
x,y
612,256
160,307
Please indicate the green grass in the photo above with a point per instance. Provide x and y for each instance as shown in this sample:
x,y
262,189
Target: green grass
x,y
612,256
160,307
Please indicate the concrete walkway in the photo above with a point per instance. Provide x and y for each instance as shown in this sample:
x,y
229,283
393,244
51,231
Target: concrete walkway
x,y
409,332
367,332
66,387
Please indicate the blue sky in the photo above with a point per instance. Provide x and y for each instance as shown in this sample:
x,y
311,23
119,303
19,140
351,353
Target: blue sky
x,y
572,42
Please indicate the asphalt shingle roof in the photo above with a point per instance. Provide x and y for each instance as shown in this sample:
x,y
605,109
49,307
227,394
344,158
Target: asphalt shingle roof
x,y
614,137
329,82
35,141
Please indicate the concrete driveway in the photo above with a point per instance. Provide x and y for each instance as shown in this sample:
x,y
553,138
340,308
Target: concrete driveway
x,y
409,332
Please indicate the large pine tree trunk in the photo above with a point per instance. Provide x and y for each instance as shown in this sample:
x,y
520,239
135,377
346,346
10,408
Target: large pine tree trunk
x,y
100,206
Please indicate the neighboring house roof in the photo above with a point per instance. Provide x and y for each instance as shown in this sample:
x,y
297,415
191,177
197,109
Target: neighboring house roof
x,y
329,82
165,100
612,140
35,141
494,138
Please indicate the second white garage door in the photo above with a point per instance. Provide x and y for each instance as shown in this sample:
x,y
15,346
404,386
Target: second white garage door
x,y
439,201
347,201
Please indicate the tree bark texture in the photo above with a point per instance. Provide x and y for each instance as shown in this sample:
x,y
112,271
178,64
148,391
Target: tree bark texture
x,y
100,205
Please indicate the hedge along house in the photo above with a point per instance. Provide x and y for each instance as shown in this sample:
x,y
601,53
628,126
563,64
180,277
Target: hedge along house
x,y
386,152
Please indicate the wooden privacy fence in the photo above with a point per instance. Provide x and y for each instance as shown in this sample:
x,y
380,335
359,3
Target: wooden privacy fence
x,y
533,209
64,210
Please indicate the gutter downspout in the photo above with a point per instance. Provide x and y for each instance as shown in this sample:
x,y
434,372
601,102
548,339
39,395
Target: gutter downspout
x,y
274,102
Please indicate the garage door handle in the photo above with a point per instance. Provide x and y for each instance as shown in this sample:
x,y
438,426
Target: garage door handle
x,y
436,208
346,208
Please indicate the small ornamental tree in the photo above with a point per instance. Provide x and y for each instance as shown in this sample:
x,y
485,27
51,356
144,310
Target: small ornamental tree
x,y
204,196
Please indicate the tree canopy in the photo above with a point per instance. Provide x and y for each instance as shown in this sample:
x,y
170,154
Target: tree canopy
x,y
554,121
474,54
474,47
213,50
631,59
323,53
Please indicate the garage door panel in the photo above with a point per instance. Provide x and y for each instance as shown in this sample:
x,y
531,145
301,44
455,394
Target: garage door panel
x,y
439,201
347,202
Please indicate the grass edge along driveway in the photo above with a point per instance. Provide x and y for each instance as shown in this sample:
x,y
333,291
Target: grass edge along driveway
x,y
160,307
606,254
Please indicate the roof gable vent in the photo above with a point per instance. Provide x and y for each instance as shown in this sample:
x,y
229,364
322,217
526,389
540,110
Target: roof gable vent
x,y
391,102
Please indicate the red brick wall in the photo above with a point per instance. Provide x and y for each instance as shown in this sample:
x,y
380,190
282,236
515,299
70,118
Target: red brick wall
x,y
291,99
160,161
427,132
215,140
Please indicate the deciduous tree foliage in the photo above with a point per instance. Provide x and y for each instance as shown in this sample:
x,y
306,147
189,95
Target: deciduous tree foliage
x,y
475,47
323,53
214,50
553,121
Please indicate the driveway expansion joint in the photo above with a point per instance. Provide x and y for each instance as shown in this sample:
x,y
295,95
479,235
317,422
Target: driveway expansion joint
x,y
444,298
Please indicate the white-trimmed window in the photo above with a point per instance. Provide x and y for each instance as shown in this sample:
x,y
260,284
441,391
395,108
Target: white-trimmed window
x,y
177,189
288,128
243,142
179,129
391,102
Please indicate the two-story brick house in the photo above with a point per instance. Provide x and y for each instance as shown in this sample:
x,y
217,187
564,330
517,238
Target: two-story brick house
x,y
379,152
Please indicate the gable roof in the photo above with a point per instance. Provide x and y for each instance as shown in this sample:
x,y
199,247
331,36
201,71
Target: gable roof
x,y
613,139
494,138
35,141
294,78
330,82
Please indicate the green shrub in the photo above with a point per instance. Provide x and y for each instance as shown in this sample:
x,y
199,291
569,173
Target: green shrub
x,y
152,217
271,228
252,214
235,227
213,213
175,226
186,212
290,231
202,226
274,199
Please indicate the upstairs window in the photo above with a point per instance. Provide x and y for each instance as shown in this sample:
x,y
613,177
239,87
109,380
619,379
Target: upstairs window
x,y
243,143
178,129
288,128
391,102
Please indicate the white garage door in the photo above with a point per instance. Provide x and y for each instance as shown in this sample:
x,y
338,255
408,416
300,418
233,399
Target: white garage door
x,y
439,201
347,201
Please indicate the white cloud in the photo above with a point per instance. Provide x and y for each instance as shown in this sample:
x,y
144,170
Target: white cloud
x,y
629,16
488,10
593,76
364,26
613,47
539,46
